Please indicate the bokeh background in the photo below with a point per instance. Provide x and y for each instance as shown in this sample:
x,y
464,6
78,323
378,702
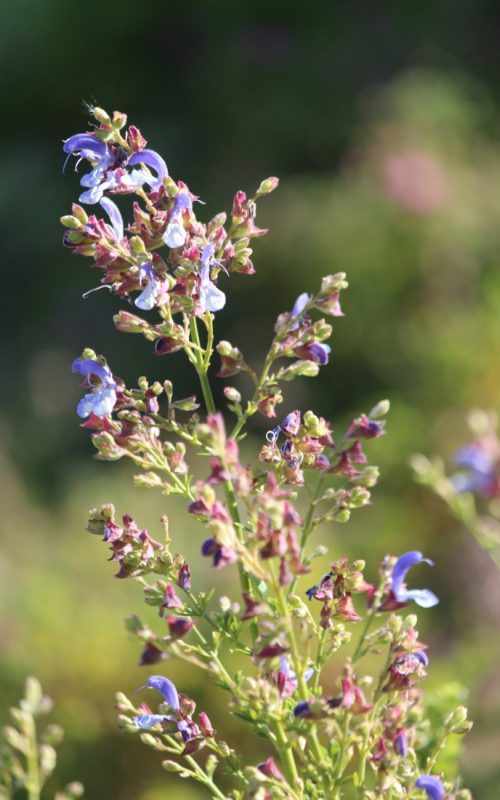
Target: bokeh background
x,y
383,122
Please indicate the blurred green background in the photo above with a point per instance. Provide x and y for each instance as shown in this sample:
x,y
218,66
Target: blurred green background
x,y
383,123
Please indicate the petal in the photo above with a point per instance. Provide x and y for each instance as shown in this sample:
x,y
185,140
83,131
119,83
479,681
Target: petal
x,y
475,458
114,215
185,729
298,307
206,255
92,196
104,402
212,298
166,688
301,709
85,141
154,160
175,235
285,668
88,366
422,597
431,785
320,353
147,299
308,674
85,406
182,200
147,721
401,567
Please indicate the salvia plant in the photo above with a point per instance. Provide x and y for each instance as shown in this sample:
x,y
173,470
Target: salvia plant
x,y
472,491
27,754
269,646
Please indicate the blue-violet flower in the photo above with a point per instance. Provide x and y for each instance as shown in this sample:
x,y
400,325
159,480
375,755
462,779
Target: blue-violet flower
x,y
431,785
422,597
101,400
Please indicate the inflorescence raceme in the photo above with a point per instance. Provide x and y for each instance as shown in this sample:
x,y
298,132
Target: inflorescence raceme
x,y
364,737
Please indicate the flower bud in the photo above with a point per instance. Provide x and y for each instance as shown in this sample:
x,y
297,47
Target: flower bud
x,y
171,766
267,186
395,624
305,369
457,721
100,115
147,480
359,497
332,283
232,394
69,221
206,726
125,322
53,734
380,409
80,213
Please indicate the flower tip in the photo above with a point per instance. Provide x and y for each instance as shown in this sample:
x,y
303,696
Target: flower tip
x,y
431,785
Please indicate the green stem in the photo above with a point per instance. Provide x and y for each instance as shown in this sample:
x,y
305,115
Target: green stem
x,y
308,525
197,772
297,665
431,761
285,749
365,747
201,368
250,410
33,784
364,633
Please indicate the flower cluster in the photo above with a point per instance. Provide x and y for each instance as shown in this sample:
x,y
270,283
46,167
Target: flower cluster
x,y
133,254
329,728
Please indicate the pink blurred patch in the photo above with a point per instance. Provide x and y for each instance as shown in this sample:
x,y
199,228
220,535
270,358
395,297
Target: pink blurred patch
x,y
416,182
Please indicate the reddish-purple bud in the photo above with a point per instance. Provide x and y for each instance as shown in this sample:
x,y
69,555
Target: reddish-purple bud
x,y
270,769
184,577
364,428
151,655
171,598
291,424
166,344
179,626
271,651
206,726
253,608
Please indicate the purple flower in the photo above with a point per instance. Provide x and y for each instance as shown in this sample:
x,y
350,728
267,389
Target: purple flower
x,y
115,217
175,233
400,743
314,351
422,597
431,785
85,145
151,159
169,692
101,400
148,296
146,721
287,677
480,476
298,310
302,709
211,298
